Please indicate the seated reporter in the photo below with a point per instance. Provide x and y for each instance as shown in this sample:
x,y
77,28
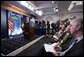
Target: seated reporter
x,y
64,40
76,47
61,31
61,36
58,45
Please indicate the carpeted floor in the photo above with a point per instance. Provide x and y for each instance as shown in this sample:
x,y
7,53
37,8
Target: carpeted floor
x,y
34,50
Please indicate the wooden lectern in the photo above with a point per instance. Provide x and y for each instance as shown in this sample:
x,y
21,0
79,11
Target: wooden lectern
x,y
29,34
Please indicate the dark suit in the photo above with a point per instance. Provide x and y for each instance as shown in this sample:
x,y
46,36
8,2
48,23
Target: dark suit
x,y
76,50
26,26
26,32
67,42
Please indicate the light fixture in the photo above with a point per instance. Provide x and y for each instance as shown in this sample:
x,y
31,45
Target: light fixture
x,y
24,3
32,8
70,7
73,3
53,2
55,9
27,5
79,3
39,12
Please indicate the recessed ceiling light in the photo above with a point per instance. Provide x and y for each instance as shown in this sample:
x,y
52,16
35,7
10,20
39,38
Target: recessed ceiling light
x,y
53,2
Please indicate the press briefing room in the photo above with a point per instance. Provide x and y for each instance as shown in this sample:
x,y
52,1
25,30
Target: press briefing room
x,y
41,28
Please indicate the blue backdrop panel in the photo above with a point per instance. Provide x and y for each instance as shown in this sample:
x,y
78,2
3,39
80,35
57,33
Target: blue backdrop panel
x,y
16,24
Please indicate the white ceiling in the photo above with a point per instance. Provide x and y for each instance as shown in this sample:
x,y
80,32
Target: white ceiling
x,y
47,7
63,6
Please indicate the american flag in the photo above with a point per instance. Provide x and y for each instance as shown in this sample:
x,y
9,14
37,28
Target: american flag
x,y
10,23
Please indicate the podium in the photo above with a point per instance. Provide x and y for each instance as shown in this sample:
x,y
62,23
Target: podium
x,y
29,34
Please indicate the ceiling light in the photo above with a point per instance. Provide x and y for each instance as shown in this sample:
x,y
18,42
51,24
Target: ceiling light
x,y
55,9
72,4
53,2
75,3
39,12
70,7
24,3
79,3
32,8
29,6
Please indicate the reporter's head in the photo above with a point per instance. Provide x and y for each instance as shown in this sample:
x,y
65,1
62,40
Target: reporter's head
x,y
76,25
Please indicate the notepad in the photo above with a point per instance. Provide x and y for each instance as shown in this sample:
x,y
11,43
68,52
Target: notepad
x,y
55,44
49,48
